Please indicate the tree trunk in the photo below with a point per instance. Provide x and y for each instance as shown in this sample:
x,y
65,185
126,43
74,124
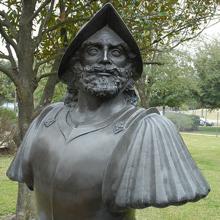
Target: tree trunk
x,y
206,111
25,208
143,91
51,84
164,108
202,113
25,88
26,107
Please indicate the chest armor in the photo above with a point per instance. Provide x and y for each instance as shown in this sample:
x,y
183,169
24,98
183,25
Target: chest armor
x,y
68,163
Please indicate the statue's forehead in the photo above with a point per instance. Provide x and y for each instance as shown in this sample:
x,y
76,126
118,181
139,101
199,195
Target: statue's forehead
x,y
105,36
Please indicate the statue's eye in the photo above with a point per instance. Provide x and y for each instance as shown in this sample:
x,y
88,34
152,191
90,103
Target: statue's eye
x,y
116,52
92,51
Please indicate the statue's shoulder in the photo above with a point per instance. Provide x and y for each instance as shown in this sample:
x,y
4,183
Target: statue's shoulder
x,y
151,166
140,115
19,169
149,120
49,113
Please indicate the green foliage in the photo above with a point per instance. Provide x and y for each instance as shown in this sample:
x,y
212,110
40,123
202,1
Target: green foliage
x,y
8,114
184,122
59,92
207,64
7,88
173,83
158,24
58,95
39,91
8,122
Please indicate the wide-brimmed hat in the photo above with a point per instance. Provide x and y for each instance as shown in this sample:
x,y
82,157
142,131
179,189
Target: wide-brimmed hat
x,y
107,15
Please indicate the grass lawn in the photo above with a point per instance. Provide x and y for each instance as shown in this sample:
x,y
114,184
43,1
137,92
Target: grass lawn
x,y
8,189
208,130
204,149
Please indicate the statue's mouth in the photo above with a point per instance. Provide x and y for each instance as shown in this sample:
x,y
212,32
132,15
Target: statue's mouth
x,y
104,73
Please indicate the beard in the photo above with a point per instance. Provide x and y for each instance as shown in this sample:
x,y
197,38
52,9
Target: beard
x,y
104,81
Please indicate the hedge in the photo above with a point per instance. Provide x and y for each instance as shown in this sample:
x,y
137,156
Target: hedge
x,y
184,122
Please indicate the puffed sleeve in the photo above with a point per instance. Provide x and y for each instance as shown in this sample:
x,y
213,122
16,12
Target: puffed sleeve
x,y
20,169
151,166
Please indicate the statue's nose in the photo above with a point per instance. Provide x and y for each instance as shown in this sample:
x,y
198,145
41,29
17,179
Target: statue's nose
x,y
105,59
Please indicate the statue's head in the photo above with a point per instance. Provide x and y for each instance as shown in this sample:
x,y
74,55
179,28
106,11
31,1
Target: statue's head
x,y
103,59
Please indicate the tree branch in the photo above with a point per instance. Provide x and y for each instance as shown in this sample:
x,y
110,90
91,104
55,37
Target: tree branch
x,y
153,63
11,57
45,75
7,23
8,73
7,38
190,38
184,26
43,23
52,80
4,56
44,4
51,58
61,23
5,16
150,49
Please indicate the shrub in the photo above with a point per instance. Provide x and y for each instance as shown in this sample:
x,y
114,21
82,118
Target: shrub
x,y
8,114
8,121
184,122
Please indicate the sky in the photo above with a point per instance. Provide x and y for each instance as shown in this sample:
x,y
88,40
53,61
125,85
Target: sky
x,y
213,31
209,34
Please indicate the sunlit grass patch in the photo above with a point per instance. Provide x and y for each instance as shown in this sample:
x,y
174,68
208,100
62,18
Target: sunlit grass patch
x,y
8,189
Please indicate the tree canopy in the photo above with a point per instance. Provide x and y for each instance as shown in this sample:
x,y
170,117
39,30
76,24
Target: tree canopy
x,y
207,65
7,89
174,82
156,25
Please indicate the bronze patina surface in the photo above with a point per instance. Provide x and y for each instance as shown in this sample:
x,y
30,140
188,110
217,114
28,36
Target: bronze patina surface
x,y
97,156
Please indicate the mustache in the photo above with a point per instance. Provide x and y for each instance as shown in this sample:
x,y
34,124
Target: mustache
x,y
111,69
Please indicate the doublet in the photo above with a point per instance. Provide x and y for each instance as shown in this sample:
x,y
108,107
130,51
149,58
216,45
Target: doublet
x,y
133,159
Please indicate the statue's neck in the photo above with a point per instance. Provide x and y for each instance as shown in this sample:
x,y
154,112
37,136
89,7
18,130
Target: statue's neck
x,y
87,102
92,108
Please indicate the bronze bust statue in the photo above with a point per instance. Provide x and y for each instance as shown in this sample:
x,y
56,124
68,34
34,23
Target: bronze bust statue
x,y
97,156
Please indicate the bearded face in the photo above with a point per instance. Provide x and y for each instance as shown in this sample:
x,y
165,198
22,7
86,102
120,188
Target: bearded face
x,y
102,66
102,80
